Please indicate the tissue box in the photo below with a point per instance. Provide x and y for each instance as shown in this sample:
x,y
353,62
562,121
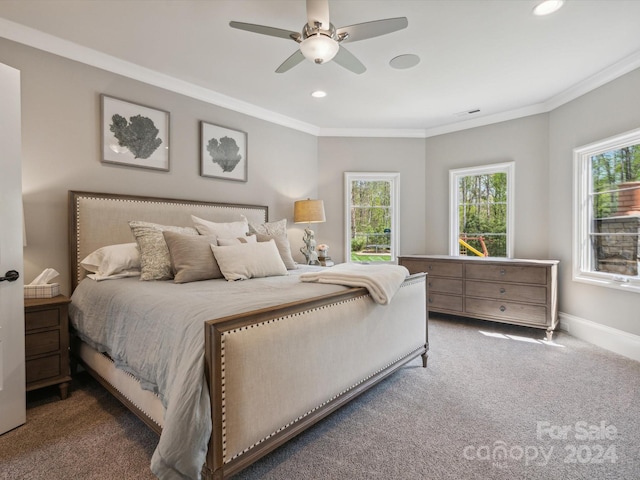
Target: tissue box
x,y
48,290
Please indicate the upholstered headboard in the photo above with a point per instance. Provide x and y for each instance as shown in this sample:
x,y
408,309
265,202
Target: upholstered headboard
x,y
100,219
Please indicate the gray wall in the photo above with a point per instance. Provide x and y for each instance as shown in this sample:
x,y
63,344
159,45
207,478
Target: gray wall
x,y
523,141
607,111
61,152
337,155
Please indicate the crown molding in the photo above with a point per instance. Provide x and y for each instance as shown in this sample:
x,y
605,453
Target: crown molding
x,y
64,48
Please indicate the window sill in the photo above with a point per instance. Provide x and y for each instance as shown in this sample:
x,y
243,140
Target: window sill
x,y
609,282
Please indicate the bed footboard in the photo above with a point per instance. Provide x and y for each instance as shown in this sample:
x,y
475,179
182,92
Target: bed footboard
x,y
274,372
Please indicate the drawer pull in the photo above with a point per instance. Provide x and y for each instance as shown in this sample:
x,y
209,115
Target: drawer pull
x,y
502,308
430,267
502,272
503,291
431,300
429,284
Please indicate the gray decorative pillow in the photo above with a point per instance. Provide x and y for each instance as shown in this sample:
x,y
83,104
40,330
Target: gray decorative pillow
x,y
284,248
191,257
269,228
155,261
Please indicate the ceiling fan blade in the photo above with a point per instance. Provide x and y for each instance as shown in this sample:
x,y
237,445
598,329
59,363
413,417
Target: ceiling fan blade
x,y
263,30
318,11
362,31
347,60
291,62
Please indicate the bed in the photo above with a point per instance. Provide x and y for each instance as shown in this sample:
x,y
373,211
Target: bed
x,y
272,359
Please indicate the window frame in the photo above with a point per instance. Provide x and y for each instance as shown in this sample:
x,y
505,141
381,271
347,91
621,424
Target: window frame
x,y
455,175
583,258
394,179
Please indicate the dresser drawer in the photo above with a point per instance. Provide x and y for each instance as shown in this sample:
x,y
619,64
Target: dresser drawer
x,y
444,285
43,342
533,314
507,273
444,269
43,368
506,291
42,319
449,303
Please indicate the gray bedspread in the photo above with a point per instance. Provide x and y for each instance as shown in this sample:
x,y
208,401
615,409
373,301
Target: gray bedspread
x,y
154,330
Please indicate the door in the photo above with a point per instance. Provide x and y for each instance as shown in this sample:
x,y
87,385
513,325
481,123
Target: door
x,y
12,368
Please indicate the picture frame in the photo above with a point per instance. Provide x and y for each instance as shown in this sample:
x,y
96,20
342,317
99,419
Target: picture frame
x,y
134,135
223,152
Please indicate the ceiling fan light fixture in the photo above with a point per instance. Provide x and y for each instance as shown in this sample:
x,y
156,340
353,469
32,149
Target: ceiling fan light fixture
x,y
319,48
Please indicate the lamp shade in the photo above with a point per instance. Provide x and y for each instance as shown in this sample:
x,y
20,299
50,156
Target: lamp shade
x,y
308,211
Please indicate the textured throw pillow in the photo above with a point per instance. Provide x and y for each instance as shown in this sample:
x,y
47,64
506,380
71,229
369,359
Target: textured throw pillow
x,y
269,228
221,230
249,260
284,248
225,242
112,259
155,261
191,257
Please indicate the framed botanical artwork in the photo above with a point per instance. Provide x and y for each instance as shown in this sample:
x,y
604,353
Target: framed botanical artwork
x,y
134,135
223,152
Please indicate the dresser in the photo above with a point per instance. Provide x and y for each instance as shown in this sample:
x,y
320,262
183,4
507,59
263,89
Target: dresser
x,y
519,292
47,343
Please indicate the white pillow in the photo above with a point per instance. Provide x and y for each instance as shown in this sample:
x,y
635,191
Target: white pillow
x,y
221,230
249,260
113,259
225,242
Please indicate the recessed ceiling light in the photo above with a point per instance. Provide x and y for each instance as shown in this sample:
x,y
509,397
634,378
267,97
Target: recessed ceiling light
x,y
404,61
319,94
547,7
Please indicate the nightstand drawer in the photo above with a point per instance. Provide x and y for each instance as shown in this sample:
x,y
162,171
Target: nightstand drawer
x,y
43,342
42,319
43,368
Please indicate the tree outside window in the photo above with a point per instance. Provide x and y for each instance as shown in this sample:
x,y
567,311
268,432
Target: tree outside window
x,y
372,205
607,206
480,211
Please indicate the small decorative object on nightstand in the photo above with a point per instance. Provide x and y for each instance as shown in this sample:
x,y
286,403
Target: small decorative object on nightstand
x,y
47,343
323,255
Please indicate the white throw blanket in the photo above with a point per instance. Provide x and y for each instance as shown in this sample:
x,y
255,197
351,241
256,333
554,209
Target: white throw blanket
x,y
382,281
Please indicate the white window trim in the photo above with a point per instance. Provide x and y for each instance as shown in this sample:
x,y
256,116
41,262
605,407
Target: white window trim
x,y
582,205
454,178
394,178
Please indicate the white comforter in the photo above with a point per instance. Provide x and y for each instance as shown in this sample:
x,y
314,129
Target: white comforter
x,y
155,331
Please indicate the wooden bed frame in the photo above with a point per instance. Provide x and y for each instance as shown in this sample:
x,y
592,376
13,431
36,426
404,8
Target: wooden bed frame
x,y
220,463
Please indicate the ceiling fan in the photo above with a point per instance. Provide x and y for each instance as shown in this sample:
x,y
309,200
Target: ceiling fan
x,y
321,42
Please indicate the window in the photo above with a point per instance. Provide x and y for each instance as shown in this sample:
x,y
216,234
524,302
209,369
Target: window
x,y
372,202
607,212
481,210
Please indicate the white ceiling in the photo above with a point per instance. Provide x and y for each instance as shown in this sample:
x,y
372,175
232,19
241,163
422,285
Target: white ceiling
x,y
491,55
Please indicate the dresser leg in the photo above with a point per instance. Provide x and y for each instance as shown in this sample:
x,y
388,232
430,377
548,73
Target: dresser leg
x,y
549,335
64,390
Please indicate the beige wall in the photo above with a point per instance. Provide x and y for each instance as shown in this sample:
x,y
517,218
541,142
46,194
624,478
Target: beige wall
x,y
337,155
61,152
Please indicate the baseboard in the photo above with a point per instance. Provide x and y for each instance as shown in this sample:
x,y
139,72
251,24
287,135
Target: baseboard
x,y
617,341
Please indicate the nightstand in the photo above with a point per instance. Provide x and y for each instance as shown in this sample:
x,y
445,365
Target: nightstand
x,y
46,325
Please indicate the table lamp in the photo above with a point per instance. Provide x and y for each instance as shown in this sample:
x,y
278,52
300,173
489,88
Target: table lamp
x,y
309,211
